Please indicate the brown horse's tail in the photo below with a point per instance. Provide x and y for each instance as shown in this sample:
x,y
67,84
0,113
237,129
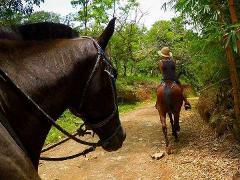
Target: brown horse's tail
x,y
167,98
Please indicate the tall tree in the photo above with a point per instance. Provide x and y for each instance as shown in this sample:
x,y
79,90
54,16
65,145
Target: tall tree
x,y
83,14
93,11
233,70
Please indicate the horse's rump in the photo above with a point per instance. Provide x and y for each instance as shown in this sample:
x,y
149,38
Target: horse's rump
x,y
169,97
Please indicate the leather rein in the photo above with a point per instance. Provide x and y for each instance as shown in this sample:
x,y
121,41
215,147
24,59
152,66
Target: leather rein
x,y
81,131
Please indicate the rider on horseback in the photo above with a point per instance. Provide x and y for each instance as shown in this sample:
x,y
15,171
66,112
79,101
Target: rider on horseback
x,y
168,69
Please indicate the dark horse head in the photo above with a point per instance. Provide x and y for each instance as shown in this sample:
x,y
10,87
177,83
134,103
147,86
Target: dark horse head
x,y
58,73
97,104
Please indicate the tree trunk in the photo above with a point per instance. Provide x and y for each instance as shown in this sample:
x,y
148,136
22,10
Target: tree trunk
x,y
114,8
235,85
234,19
85,10
232,11
238,41
234,74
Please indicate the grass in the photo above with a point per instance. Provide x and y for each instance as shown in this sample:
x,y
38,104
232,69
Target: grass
x,y
69,122
128,107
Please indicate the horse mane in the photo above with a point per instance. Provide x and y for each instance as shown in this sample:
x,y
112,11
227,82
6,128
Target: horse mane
x,y
38,32
9,33
46,31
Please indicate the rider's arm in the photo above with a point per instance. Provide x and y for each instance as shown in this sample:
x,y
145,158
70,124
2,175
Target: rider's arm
x,y
160,66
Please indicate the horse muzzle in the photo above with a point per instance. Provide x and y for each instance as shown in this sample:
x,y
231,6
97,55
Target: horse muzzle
x,y
115,141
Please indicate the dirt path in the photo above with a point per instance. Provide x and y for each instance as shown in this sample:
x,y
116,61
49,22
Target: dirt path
x,y
198,154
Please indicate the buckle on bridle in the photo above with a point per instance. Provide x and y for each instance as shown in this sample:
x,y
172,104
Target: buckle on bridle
x,y
84,130
109,73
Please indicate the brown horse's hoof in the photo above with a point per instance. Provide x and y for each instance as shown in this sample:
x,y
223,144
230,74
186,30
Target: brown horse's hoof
x,y
169,150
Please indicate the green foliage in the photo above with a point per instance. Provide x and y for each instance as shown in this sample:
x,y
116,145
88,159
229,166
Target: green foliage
x,y
92,12
211,17
212,20
12,11
128,107
42,16
127,47
134,52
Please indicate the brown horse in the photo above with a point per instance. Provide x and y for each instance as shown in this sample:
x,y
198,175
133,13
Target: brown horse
x,y
57,73
169,101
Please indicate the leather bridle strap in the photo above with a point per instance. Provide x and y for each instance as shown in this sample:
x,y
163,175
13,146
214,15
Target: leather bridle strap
x,y
83,153
51,120
101,54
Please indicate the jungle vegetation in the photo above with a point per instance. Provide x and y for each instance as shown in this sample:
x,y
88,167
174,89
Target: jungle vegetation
x,y
204,38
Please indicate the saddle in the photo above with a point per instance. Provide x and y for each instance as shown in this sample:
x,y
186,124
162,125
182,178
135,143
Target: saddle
x,y
168,83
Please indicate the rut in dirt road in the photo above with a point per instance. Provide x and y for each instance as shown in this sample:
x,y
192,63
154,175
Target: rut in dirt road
x,y
197,155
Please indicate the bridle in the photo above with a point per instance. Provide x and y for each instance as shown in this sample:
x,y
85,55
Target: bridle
x,y
112,78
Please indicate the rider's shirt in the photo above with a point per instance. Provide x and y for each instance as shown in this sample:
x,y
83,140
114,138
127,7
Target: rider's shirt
x,y
168,70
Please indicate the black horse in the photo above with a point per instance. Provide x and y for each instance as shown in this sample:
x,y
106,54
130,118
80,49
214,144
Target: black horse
x,y
58,72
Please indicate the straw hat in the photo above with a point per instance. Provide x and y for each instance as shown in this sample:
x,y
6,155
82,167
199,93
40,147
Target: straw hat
x,y
165,52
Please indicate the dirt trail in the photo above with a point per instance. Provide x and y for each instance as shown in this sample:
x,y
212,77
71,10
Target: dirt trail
x,y
197,155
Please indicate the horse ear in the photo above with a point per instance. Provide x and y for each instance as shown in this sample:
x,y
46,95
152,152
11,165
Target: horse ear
x,y
107,34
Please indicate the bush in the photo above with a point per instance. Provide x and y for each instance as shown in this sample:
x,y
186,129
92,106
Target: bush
x,y
215,107
136,89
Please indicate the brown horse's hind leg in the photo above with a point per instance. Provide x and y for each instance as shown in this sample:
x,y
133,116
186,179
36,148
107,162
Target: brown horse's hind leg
x,y
176,121
164,129
174,130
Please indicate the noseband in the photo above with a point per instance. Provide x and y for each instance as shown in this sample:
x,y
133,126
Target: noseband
x,y
112,78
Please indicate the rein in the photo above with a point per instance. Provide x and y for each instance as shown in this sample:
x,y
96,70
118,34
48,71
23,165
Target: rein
x,y
101,56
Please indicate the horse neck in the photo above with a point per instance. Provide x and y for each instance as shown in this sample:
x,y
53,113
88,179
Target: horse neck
x,y
51,82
